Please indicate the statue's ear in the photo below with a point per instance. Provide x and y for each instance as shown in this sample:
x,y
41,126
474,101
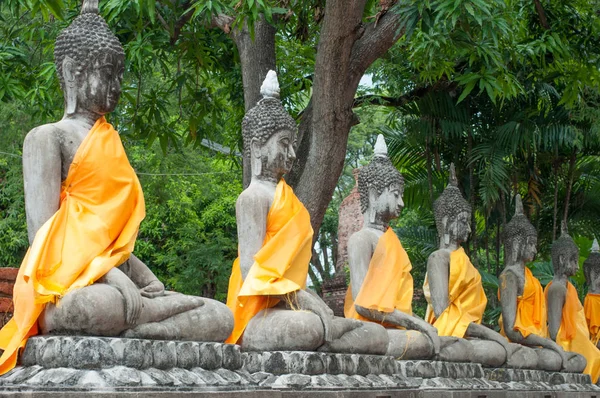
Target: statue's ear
x,y
256,156
69,68
446,236
255,148
372,200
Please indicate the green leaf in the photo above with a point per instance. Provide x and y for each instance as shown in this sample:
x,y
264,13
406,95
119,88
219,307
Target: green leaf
x,y
466,91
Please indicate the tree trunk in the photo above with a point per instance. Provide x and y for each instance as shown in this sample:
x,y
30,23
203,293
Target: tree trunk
x,y
556,167
472,192
257,57
346,49
570,184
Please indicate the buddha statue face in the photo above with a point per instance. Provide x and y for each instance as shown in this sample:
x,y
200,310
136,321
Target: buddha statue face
x,y
380,186
90,62
452,214
276,155
520,237
565,255
458,228
97,87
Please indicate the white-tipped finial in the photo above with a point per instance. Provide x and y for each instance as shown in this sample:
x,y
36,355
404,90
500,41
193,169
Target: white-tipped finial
x,y
595,246
380,147
89,6
270,87
518,205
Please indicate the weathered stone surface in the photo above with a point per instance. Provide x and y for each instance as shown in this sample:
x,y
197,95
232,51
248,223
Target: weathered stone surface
x,y
232,356
294,381
211,356
164,354
188,355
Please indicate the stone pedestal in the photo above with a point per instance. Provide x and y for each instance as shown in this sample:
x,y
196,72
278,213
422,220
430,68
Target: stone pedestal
x,y
53,366
8,276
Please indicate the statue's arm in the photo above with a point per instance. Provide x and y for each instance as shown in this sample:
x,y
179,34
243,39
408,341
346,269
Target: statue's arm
x,y
143,277
251,214
556,300
42,177
359,258
438,265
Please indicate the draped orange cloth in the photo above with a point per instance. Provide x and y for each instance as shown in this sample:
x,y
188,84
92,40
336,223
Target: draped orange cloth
x,y
591,307
466,295
94,230
531,316
573,332
388,284
280,266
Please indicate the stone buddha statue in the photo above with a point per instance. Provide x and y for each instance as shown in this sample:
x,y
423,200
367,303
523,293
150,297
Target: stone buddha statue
x,y
453,288
84,205
381,287
524,317
566,317
591,305
272,310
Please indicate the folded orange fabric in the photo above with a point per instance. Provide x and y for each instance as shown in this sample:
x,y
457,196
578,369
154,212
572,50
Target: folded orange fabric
x,y
466,295
388,285
280,266
591,307
531,316
94,229
573,332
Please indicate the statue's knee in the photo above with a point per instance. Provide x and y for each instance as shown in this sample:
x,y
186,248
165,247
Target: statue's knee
x,y
409,344
521,357
576,363
97,309
277,329
214,321
488,353
548,360
454,349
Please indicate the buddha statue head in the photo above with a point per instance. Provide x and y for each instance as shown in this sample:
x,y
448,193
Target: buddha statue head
x,y
452,213
90,62
269,134
520,237
591,268
565,254
380,186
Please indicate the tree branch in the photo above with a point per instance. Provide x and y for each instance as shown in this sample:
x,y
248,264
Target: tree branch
x,y
416,94
541,14
375,41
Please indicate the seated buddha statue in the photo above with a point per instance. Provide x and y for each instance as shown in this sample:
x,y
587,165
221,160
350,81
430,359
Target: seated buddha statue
x,y
453,288
566,317
381,288
272,309
524,317
591,304
84,205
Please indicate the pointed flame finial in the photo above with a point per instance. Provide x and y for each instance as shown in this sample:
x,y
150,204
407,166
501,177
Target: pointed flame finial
x,y
595,246
270,86
380,147
518,206
89,7
452,180
564,231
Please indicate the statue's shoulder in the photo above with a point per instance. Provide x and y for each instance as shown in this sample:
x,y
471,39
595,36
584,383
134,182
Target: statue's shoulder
x,y
510,277
254,197
440,256
46,133
362,238
556,290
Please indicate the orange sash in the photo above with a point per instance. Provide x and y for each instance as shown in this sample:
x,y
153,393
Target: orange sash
x,y
94,230
466,295
573,332
591,307
388,284
280,266
531,316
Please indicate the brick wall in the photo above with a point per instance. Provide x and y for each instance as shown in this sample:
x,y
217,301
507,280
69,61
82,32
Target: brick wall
x,y
8,276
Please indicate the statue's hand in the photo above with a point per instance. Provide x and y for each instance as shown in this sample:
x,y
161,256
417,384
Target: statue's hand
x,y
313,303
432,333
153,289
565,359
131,295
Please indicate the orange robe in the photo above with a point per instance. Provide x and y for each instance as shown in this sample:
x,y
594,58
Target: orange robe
x,y
280,266
531,316
94,230
591,307
573,332
466,295
388,285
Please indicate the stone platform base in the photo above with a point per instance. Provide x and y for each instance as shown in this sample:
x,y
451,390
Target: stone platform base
x,y
53,366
